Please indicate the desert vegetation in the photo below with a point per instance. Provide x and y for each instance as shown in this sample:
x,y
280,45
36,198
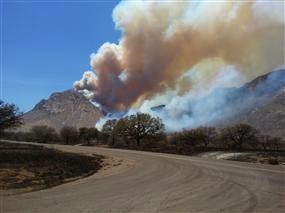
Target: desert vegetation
x,y
143,132
37,167
10,116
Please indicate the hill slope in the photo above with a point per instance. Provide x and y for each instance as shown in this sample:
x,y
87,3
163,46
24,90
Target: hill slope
x,y
260,103
269,117
63,108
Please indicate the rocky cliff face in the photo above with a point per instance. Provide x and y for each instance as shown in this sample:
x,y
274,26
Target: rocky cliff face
x,y
68,108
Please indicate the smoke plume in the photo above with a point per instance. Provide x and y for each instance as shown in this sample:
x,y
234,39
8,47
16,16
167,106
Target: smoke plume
x,y
181,49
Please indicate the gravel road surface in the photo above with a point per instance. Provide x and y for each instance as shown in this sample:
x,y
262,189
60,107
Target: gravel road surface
x,y
153,182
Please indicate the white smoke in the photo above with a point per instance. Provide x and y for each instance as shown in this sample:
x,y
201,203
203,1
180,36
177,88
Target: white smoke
x,y
174,52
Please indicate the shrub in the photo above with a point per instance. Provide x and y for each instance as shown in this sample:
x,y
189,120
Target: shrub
x,y
44,134
88,134
69,135
238,136
273,161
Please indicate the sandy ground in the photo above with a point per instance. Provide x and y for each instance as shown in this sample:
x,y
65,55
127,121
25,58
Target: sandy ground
x,y
252,157
221,155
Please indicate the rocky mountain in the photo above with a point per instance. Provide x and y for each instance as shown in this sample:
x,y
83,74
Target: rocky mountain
x,y
68,108
260,103
267,111
269,118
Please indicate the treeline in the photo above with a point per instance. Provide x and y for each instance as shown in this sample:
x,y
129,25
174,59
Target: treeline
x,y
141,131
11,118
237,137
144,132
45,134
131,131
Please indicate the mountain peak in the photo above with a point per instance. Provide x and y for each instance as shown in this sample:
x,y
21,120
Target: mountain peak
x,y
63,108
270,82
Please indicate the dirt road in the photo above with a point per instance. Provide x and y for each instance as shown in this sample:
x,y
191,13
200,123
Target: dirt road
x,y
153,182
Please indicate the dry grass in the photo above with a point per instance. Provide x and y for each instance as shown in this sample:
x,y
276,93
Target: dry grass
x,y
36,167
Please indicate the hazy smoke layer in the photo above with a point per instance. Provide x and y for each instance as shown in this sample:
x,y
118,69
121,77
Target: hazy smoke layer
x,y
171,48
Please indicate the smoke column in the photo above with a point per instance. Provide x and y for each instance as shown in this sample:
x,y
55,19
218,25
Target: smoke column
x,y
179,48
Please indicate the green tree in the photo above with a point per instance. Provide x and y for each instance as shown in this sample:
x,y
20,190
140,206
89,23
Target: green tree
x,y
69,134
141,126
275,144
189,141
10,117
186,141
270,143
93,133
88,134
238,135
44,134
208,135
83,134
196,137
108,129
264,141
121,131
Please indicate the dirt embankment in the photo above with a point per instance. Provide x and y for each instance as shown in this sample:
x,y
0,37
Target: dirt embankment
x,y
262,157
272,158
29,167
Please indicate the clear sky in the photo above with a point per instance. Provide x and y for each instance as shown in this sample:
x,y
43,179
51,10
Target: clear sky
x,y
45,45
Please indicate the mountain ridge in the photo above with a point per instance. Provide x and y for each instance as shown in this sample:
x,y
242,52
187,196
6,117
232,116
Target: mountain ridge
x,y
260,103
67,108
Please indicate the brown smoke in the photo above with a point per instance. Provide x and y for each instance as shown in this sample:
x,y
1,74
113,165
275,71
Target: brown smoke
x,y
162,41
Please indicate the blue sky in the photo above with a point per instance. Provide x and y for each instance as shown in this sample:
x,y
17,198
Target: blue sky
x,y
46,45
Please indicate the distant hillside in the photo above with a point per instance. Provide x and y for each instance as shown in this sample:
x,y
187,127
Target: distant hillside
x,y
269,118
63,108
260,103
